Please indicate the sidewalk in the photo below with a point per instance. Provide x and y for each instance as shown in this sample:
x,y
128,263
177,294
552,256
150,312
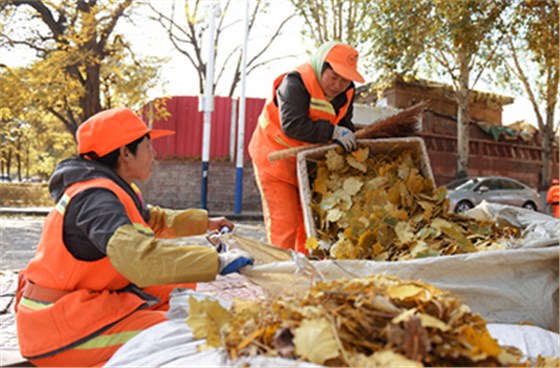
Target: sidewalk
x,y
43,211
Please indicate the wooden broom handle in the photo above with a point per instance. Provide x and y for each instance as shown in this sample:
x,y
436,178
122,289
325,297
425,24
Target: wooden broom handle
x,y
367,132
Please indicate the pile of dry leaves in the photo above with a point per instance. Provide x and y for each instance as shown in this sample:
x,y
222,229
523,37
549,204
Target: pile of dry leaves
x,y
374,321
381,207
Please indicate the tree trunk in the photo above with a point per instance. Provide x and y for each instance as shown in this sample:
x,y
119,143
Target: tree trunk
x,y
91,102
547,145
462,99
18,158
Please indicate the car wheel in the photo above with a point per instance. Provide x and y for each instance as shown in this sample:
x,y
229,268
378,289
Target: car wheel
x,y
530,206
463,206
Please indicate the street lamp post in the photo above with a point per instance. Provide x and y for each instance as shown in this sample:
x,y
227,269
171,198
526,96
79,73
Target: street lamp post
x,y
206,104
241,121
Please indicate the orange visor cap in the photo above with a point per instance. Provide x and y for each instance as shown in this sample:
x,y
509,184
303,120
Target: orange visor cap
x,y
344,61
108,130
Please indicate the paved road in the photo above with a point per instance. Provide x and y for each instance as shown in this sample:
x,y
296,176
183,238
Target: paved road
x,y
19,236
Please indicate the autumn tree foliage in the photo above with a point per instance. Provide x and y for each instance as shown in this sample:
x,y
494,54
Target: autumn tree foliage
x,y
327,20
532,61
454,40
83,65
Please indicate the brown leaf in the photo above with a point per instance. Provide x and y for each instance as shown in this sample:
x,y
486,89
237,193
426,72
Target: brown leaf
x,y
416,342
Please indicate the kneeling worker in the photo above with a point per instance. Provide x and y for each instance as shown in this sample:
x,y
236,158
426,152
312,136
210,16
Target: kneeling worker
x,y
101,274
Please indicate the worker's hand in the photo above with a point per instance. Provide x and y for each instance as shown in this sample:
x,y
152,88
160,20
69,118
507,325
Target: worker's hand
x,y
215,238
345,137
218,223
232,261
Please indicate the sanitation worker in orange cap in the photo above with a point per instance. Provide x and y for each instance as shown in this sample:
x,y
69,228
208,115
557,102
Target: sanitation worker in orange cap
x,y
101,273
311,104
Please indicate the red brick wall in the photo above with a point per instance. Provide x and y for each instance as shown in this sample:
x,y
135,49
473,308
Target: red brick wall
x,y
519,160
176,184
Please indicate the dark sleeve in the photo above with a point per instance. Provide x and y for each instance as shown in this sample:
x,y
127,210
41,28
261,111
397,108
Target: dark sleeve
x,y
91,219
346,121
293,104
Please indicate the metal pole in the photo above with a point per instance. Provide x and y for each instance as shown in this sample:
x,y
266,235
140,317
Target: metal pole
x,y
232,130
206,104
241,121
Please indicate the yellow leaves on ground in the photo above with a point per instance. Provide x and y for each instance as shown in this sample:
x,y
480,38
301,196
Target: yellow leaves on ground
x,y
206,318
376,321
380,207
480,339
312,243
385,358
404,291
315,341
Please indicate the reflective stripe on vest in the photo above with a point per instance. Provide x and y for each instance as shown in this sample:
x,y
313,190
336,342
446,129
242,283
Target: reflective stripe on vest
x,y
45,328
104,341
34,304
320,108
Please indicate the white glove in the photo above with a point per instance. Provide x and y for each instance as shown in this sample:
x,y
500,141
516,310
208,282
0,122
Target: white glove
x,y
345,137
232,260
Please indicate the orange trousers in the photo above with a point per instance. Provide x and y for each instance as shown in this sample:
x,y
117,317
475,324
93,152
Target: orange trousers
x,y
96,351
282,211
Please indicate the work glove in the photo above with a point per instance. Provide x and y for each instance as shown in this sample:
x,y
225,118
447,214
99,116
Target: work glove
x,y
215,239
345,137
232,261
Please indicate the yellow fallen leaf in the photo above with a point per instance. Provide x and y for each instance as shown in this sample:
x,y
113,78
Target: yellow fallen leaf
x,y
430,321
334,215
311,243
361,154
404,316
482,339
404,232
352,185
314,340
404,291
206,318
384,358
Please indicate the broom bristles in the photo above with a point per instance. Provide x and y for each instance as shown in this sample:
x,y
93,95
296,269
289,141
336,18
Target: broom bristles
x,y
404,123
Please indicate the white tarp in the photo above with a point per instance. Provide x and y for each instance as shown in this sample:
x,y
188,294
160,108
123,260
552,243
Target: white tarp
x,y
171,343
516,285
506,287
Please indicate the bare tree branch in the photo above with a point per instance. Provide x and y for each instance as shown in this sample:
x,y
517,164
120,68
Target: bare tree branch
x,y
271,40
518,71
105,32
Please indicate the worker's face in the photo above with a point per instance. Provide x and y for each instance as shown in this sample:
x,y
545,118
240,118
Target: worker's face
x,y
141,163
333,84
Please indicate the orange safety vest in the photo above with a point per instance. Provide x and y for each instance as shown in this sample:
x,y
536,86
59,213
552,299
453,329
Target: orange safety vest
x,y
269,137
89,297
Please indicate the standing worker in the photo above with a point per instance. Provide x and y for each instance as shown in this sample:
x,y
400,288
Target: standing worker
x,y
101,274
553,198
312,104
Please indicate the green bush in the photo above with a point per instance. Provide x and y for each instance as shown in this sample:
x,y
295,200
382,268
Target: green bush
x,y
25,195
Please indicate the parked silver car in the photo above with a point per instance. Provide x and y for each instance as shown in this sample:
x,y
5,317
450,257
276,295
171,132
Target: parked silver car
x,y
466,193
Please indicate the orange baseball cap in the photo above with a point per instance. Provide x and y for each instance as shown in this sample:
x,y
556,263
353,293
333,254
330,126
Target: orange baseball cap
x,y
344,61
108,130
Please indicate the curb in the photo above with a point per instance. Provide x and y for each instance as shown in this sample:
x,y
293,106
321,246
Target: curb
x,y
44,211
